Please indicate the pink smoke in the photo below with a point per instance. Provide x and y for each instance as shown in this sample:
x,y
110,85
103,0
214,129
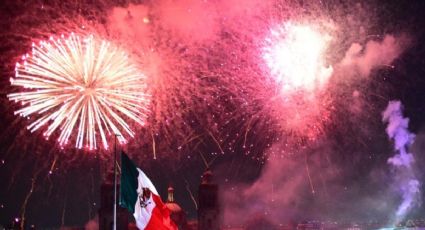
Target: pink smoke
x,y
189,19
363,59
131,23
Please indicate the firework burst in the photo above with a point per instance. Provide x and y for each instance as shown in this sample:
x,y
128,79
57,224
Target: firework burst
x,y
294,55
80,85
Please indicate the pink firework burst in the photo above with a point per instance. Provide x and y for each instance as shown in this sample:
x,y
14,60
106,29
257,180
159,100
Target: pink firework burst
x,y
295,57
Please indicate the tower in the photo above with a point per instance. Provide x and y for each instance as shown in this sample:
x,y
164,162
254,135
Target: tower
x,y
209,208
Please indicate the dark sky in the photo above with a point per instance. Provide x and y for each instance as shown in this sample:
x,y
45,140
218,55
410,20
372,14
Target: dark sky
x,y
347,159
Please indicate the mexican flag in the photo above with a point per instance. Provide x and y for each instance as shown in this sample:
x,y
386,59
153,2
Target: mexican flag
x,y
140,197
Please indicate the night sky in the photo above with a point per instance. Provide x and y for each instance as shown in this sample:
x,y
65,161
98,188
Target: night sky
x,y
277,157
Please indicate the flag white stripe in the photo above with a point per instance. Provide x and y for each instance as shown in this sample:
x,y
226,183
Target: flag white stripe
x,y
142,215
144,182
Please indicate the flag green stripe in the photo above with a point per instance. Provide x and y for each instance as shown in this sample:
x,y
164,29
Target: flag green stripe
x,y
129,183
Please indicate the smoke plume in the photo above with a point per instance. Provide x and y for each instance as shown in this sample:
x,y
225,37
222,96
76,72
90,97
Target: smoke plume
x,y
403,161
363,59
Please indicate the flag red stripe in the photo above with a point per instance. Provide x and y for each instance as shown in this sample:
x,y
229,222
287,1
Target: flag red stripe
x,y
160,219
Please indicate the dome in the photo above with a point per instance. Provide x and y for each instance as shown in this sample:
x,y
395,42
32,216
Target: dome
x,y
173,207
171,204
176,212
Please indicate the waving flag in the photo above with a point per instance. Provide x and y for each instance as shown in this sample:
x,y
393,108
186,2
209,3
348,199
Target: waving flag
x,y
140,197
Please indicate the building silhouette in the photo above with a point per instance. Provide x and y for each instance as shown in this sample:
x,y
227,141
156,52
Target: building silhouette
x,y
106,210
208,208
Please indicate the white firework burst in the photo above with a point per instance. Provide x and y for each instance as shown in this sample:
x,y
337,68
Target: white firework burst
x,y
295,55
80,85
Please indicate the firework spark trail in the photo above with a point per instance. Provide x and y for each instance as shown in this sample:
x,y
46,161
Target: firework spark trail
x,y
153,146
204,159
50,172
246,132
27,197
191,194
53,164
64,209
216,141
190,139
80,84
324,184
308,174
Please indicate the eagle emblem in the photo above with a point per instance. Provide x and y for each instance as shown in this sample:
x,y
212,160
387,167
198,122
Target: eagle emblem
x,y
144,197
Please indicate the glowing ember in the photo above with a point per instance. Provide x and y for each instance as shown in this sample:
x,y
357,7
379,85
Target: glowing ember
x,y
294,54
80,84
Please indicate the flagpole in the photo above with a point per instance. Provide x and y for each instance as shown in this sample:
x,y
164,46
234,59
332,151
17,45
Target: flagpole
x,y
115,183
